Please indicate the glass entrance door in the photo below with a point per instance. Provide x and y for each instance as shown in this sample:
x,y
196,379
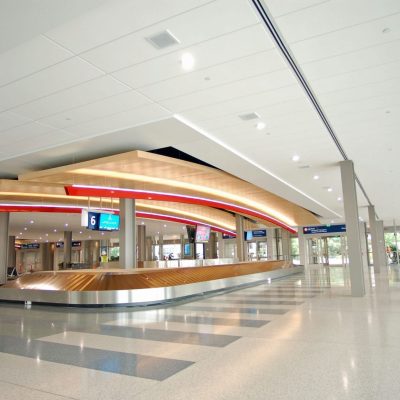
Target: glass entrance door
x,y
328,250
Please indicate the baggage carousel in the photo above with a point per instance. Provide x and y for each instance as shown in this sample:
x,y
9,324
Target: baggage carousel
x,y
138,287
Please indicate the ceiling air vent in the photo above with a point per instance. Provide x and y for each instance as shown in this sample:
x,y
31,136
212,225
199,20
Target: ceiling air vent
x,y
163,39
249,116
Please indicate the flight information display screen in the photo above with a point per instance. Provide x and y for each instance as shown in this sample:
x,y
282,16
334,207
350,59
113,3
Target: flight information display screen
x,y
202,233
109,222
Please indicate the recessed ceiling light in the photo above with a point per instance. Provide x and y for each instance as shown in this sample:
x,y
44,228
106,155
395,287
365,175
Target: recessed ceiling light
x,y
31,221
163,39
249,116
142,222
187,61
17,237
316,177
47,241
296,158
339,198
20,233
65,224
40,238
332,221
25,229
102,233
165,226
55,230
80,232
90,237
46,234
329,189
260,125
35,240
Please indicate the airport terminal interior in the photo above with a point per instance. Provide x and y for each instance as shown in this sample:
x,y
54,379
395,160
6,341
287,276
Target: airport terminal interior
x,y
199,199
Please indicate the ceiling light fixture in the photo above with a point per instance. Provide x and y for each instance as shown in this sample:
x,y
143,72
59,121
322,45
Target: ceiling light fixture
x,y
296,158
187,61
316,177
339,198
329,189
31,221
260,125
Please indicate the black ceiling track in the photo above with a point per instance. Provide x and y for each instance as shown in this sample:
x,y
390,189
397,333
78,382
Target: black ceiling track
x,y
292,63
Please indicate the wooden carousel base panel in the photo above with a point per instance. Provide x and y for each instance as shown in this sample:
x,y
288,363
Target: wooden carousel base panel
x,y
102,280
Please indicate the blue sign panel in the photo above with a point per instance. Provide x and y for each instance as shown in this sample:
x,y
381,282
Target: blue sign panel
x,y
259,233
93,221
315,230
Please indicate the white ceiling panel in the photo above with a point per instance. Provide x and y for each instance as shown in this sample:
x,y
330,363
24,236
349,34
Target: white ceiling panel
x,y
58,77
262,83
30,57
124,120
379,89
347,40
10,120
356,79
21,20
76,96
248,41
358,60
245,104
111,105
188,28
279,7
332,16
23,132
242,68
115,19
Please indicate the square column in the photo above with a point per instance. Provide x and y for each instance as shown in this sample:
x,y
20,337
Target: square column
x,y
67,248
127,234
4,220
239,238
352,228
302,246
373,229
381,242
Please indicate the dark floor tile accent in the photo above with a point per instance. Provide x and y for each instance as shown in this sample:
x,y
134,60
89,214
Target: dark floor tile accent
x,y
271,295
261,302
194,319
253,310
102,360
161,335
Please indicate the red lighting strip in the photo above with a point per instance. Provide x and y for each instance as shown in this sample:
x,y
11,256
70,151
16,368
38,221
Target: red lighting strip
x,y
97,191
78,210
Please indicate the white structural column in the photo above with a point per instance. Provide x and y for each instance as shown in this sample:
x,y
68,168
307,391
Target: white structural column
x,y
271,244
127,234
302,246
363,240
286,248
11,255
221,246
4,220
381,242
373,229
240,238
141,242
352,228
67,248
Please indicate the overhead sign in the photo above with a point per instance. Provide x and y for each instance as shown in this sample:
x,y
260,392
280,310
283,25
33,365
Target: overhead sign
x,y
228,236
75,243
256,233
315,230
28,246
259,233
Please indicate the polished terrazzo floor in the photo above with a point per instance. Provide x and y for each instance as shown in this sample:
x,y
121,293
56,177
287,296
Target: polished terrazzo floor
x,y
302,337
